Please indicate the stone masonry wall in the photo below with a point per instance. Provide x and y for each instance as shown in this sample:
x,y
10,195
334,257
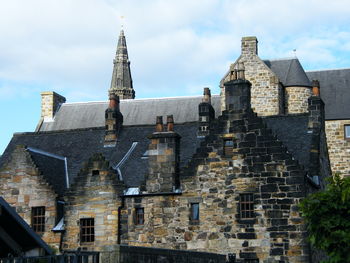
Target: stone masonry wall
x,y
93,196
260,165
338,146
296,99
23,187
266,93
50,102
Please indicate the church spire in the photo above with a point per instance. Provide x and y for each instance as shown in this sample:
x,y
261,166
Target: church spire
x,y
121,84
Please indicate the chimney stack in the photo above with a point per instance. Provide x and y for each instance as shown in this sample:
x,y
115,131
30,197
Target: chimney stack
x,y
113,120
164,158
249,46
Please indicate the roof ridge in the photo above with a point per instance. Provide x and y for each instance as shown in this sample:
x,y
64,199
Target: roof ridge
x,y
132,100
317,70
279,59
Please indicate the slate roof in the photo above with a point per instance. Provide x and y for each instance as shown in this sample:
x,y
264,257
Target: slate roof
x,y
335,91
135,112
292,131
79,145
19,230
289,71
55,173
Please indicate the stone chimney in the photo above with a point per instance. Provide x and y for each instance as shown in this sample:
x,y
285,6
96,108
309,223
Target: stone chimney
x,y
237,91
316,130
164,159
249,46
206,114
50,103
113,120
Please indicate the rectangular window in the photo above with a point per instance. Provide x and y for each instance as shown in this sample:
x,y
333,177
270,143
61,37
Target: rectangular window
x,y
246,206
228,147
38,219
194,216
87,230
139,216
347,131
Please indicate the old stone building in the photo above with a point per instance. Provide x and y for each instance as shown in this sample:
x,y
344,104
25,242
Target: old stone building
x,y
220,173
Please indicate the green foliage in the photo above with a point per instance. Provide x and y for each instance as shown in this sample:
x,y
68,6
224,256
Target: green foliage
x,y
327,214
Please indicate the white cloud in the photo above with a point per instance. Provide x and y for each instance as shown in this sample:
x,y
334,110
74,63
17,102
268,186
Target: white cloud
x,y
174,46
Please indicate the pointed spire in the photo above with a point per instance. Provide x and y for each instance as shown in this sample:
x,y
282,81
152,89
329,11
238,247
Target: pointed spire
x,y
121,79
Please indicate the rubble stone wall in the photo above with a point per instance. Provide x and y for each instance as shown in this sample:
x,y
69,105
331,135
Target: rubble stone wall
x,y
23,187
338,146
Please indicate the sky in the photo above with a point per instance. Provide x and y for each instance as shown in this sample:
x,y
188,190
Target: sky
x,y
175,47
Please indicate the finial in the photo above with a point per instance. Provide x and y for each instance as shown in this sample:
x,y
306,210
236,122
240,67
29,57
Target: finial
x,y
122,24
295,52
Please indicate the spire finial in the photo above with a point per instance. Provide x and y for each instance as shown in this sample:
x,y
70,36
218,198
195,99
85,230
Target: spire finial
x,y
122,22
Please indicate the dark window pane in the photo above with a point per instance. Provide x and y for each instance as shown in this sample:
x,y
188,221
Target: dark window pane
x,y
38,219
87,230
195,212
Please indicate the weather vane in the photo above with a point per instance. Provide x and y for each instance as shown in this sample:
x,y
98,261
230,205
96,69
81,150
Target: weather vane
x,y
122,20
295,52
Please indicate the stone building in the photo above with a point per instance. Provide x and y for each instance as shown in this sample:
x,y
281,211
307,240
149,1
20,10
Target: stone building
x,y
222,173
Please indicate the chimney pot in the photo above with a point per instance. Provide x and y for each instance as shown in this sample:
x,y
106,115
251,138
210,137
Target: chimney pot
x,y
206,95
316,87
159,124
240,70
170,123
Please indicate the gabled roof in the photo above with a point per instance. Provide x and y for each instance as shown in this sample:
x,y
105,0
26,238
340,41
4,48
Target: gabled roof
x,y
18,230
289,71
135,112
79,145
53,167
335,91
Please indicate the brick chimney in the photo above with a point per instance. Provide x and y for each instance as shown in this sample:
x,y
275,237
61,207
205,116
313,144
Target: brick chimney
x,y
113,120
206,114
249,46
50,103
164,158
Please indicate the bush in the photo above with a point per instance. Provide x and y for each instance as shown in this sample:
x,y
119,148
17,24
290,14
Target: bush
x,y
327,214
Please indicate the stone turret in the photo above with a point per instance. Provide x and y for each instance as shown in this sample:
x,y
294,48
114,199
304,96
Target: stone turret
x,y
113,120
297,88
206,113
164,158
121,83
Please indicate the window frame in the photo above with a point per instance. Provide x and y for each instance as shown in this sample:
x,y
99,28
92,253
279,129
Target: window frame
x,y
228,150
139,216
346,135
87,236
246,206
194,209
38,219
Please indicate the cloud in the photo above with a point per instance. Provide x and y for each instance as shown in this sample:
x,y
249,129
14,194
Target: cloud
x,y
174,46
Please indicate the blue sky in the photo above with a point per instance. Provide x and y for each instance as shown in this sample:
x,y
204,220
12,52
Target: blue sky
x,y
175,47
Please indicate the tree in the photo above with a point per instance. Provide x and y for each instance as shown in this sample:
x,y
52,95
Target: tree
x,y
327,215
